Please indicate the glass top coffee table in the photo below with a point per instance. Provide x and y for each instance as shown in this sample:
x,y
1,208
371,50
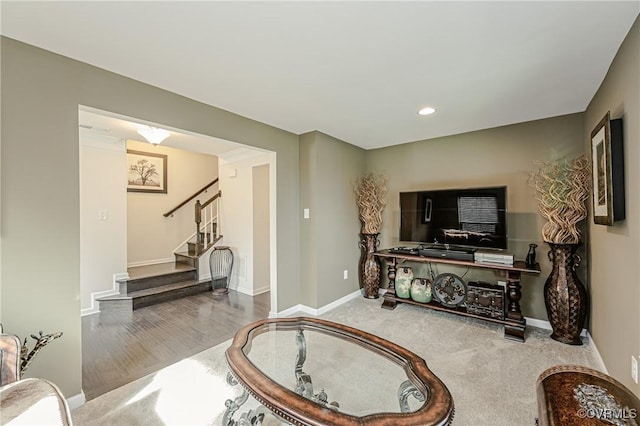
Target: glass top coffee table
x,y
310,371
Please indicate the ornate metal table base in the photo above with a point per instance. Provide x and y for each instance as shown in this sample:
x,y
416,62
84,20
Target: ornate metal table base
x,y
408,389
304,385
251,417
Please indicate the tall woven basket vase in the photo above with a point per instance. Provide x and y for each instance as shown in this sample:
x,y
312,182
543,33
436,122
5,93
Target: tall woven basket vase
x,y
565,296
369,268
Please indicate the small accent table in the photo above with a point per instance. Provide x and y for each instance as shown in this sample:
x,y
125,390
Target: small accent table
x,y
362,378
572,395
514,323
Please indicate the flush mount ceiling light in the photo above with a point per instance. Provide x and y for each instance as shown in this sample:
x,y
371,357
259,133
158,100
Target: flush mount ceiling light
x,y
427,111
153,135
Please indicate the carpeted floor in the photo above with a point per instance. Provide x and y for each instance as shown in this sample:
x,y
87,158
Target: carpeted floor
x,y
492,380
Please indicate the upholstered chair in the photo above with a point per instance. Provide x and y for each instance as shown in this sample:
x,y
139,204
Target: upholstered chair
x,y
27,401
9,358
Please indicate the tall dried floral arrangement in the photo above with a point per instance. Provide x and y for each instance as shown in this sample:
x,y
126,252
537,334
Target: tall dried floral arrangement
x,y
562,188
371,193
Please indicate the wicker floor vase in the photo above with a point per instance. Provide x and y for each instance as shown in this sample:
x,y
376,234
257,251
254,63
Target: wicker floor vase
x,y
369,266
565,296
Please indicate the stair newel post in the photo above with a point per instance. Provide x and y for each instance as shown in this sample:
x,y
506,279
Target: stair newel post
x,y
211,234
204,229
218,201
198,214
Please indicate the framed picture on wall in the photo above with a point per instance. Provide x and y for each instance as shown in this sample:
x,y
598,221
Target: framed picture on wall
x,y
607,162
146,172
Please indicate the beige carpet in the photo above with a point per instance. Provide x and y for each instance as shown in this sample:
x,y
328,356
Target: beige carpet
x,y
492,380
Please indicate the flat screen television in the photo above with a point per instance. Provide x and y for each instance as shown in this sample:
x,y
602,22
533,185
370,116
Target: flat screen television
x,y
472,217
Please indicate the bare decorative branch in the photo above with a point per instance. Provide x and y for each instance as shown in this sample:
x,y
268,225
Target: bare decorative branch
x,y
371,194
562,188
41,341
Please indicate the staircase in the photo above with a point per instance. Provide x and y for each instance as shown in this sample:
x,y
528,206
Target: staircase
x,y
151,284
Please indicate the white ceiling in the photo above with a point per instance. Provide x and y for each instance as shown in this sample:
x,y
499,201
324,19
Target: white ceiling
x,y
358,71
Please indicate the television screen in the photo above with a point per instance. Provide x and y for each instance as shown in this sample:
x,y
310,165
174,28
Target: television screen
x,y
473,217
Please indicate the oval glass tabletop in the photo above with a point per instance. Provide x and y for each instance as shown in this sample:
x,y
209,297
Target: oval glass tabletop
x,y
312,371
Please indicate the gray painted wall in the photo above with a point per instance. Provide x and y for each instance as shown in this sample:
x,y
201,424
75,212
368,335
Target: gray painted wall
x,y
41,92
261,223
615,250
308,228
329,168
492,157
339,164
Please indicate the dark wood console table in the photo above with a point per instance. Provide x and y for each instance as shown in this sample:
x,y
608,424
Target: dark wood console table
x,y
514,323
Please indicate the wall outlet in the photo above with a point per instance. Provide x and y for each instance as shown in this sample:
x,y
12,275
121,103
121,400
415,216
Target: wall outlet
x,y
305,213
345,274
634,369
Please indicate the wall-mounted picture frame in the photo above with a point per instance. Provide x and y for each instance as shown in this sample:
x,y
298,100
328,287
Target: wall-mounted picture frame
x,y
146,172
607,165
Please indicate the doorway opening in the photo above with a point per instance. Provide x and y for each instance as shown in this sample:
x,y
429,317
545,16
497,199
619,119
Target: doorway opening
x,y
105,227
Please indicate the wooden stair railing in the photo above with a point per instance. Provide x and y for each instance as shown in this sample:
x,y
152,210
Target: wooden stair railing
x,y
173,210
208,232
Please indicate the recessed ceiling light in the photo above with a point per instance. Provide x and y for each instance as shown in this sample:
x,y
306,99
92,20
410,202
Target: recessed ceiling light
x,y
427,111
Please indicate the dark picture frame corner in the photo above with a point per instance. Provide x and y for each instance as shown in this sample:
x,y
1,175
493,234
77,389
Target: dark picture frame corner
x,y
607,160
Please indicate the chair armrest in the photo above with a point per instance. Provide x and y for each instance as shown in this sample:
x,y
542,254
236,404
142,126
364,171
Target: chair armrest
x,y
10,347
33,402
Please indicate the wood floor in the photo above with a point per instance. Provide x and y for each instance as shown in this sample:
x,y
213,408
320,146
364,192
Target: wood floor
x,y
119,348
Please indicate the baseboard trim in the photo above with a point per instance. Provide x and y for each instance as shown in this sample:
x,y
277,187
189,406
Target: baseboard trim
x,y
545,325
596,352
287,312
93,309
261,290
76,401
242,289
585,333
249,291
304,309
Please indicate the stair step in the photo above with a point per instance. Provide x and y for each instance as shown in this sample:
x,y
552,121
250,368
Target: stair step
x,y
151,296
162,289
197,249
187,255
158,269
169,292
153,280
185,258
152,284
